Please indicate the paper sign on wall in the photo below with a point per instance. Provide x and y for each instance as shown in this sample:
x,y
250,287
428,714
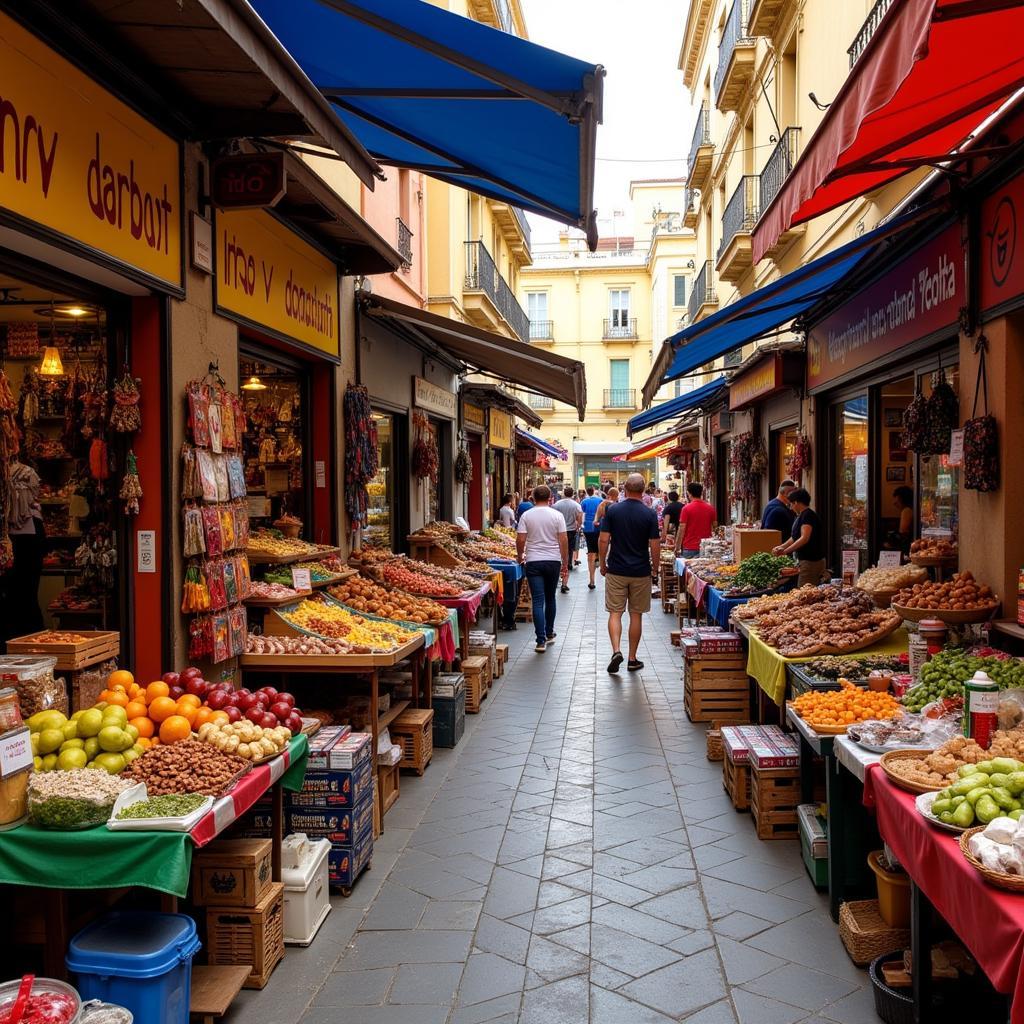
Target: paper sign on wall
x,y
851,565
889,559
956,449
320,470
860,482
301,579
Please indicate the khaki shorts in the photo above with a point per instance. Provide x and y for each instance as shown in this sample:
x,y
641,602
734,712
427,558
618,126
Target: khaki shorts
x,y
622,590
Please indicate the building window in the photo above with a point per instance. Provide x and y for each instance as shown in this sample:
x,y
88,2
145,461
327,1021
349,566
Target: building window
x,y
678,290
537,306
618,308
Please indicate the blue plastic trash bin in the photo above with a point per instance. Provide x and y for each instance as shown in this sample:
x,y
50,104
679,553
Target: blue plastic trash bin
x,y
139,960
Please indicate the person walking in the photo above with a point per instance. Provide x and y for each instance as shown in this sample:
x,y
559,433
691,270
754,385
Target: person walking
x,y
572,512
696,521
806,540
630,545
507,514
777,514
524,506
670,518
590,504
543,548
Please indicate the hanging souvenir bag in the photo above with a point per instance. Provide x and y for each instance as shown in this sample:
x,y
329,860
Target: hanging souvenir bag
x,y
194,540
191,486
981,439
125,416
914,421
941,415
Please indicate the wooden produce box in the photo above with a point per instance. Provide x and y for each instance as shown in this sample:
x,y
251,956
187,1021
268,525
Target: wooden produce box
x,y
774,798
524,609
749,542
716,688
231,873
476,689
413,731
95,646
248,935
388,776
502,651
736,782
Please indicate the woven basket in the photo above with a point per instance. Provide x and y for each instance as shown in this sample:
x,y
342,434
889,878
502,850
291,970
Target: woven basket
x,y
865,934
898,780
1012,883
716,752
950,616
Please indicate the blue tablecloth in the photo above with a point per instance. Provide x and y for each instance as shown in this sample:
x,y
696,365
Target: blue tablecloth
x,y
512,571
680,566
719,607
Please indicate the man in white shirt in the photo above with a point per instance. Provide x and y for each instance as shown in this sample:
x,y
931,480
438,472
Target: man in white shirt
x,y
543,548
572,512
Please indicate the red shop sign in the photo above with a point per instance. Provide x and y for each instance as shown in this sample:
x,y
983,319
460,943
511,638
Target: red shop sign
x,y
917,297
1002,245
527,456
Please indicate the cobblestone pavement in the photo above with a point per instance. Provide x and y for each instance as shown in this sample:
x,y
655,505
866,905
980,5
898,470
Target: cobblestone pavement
x,y
573,860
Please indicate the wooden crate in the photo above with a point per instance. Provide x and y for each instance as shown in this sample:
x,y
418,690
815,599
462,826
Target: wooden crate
x,y
675,636
413,731
213,990
248,935
716,688
774,796
231,873
473,669
95,646
736,782
524,610
502,651
388,777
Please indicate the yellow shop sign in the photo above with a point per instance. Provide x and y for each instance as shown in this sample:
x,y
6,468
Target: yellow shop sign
x,y
83,164
272,278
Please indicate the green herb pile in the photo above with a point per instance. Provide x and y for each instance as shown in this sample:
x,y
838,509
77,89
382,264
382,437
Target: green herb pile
x,y
174,805
67,813
760,571
946,673
838,667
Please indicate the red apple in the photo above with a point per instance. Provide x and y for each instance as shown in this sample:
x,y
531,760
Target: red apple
x,y
190,673
286,698
254,714
294,723
216,699
269,692
170,678
280,709
176,692
268,720
199,687
246,700
234,715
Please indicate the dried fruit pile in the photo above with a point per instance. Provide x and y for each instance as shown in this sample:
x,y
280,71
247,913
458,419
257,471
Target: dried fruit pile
x,y
364,595
961,593
186,767
334,622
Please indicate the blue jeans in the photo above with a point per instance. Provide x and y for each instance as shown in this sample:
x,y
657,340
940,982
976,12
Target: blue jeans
x,y
543,580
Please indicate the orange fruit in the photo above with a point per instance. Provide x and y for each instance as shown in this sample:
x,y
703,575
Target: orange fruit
x,y
187,712
144,725
144,741
189,698
155,742
174,729
134,690
117,697
162,708
219,717
157,689
121,678
202,717
135,709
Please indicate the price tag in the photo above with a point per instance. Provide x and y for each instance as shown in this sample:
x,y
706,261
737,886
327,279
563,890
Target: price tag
x,y
301,579
956,449
851,566
15,752
889,559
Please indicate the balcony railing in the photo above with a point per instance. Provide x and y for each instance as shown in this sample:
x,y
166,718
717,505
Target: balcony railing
x,y
540,402
735,32
524,224
542,330
740,213
867,30
620,398
779,166
701,135
703,291
404,241
620,327
482,275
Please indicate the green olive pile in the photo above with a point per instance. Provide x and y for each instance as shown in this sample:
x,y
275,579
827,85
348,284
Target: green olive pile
x,y
946,673
982,792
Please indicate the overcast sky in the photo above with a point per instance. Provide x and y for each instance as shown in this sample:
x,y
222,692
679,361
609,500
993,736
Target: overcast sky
x,y
644,101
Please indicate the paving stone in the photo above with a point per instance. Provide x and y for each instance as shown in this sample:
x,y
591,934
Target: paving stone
x,y
489,976
611,1008
634,922
627,953
395,907
607,977
503,938
390,949
380,1015
355,988
801,986
433,984
744,963
567,1002
505,1009
457,914
717,1013
754,1009
681,987
552,961
562,916
740,926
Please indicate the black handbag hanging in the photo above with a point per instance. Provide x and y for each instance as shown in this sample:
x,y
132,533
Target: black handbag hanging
x,y
981,440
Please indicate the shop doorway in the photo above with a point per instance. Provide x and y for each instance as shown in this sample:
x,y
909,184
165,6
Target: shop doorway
x,y
475,447
780,455
850,430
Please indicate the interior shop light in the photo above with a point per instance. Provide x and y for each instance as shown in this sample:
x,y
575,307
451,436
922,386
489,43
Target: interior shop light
x,y
254,384
51,365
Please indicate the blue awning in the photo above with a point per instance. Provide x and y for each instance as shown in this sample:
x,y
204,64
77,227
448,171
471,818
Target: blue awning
x,y
760,313
675,407
554,451
424,88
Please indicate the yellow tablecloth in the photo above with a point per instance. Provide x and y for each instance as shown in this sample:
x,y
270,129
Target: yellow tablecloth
x,y
768,667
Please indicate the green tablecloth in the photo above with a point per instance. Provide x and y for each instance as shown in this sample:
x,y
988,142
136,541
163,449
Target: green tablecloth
x,y
97,858
768,667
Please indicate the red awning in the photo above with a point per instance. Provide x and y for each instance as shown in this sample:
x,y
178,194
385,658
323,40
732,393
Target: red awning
x,y
932,72
652,448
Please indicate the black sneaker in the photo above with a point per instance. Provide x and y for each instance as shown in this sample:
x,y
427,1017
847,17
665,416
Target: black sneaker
x,y
541,648
551,638
616,663
565,590
634,665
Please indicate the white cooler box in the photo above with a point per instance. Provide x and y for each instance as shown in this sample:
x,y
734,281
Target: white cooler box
x,y
307,899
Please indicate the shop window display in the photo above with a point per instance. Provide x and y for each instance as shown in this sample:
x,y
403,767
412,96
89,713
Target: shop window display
x,y
852,460
381,489
938,481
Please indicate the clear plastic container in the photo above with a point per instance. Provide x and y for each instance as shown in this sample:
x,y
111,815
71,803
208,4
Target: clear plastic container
x,y
32,677
44,991
14,799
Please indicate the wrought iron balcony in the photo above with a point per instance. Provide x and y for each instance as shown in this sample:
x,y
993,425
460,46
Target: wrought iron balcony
x,y
778,167
540,402
404,241
735,58
620,398
701,148
691,208
739,215
482,276
542,330
867,30
620,327
703,292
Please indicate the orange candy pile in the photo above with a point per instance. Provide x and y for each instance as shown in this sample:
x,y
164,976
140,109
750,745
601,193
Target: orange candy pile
x,y
849,704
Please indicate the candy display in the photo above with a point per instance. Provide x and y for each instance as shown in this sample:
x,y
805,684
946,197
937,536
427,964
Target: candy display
x,y
334,622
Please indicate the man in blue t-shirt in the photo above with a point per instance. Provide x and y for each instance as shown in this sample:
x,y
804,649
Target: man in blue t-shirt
x,y
523,506
630,546
590,504
777,514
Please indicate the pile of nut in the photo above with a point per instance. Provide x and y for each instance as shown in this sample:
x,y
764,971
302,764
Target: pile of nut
x,y
257,644
245,739
185,767
893,577
366,596
961,593
941,766
931,548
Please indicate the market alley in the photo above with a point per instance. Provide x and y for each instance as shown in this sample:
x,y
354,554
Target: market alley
x,y
573,859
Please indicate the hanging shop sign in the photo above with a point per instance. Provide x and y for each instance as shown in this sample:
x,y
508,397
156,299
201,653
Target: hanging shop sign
x,y
916,298
499,430
433,398
247,180
527,456
474,417
1001,280
85,166
765,378
269,277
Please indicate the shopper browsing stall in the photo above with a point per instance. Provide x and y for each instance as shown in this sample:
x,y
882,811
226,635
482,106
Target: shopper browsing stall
x,y
670,517
543,547
25,527
572,512
777,513
507,513
806,540
696,522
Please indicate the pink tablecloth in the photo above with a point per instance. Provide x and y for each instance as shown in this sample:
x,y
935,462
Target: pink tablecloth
x,y
467,605
989,921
